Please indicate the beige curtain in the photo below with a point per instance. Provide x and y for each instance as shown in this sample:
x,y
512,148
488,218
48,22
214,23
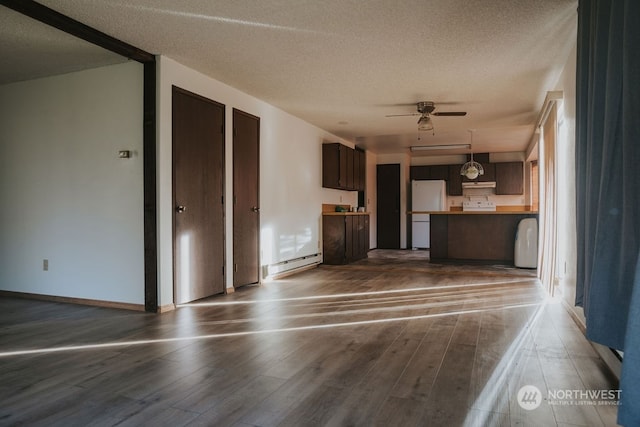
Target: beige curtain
x,y
548,205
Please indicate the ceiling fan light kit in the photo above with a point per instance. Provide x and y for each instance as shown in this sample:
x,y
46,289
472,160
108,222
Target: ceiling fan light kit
x,y
425,123
425,109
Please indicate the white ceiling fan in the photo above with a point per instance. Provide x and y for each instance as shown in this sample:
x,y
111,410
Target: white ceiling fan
x,y
425,109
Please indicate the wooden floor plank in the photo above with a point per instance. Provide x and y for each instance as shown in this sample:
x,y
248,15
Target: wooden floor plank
x,y
390,340
234,406
417,379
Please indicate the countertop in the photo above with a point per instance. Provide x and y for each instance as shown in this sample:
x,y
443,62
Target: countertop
x,y
474,212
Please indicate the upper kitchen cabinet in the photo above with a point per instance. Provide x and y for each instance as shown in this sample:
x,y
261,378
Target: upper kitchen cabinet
x,y
455,180
359,168
342,167
509,178
430,172
334,166
350,169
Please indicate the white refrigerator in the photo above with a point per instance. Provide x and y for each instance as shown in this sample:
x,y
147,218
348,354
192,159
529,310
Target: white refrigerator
x,y
428,195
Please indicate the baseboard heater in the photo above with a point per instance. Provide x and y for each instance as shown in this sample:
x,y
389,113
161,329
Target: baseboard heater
x,y
291,265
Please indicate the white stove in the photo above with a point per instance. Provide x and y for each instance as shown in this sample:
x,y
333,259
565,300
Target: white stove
x,y
479,206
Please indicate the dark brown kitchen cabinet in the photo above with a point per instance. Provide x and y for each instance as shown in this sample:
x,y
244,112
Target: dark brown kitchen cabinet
x,y
342,167
510,178
334,166
359,166
455,180
439,172
350,179
489,172
419,172
345,238
429,172
360,160
363,235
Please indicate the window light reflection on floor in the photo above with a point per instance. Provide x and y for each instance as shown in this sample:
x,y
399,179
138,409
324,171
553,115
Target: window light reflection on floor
x,y
254,332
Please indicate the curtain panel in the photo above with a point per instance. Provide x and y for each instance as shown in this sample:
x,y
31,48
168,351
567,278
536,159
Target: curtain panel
x,y
608,184
548,202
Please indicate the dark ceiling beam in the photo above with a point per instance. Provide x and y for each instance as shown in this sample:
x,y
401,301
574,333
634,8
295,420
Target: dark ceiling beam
x,y
55,19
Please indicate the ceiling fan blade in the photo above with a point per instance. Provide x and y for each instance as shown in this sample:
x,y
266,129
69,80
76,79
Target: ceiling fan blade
x,y
450,113
402,115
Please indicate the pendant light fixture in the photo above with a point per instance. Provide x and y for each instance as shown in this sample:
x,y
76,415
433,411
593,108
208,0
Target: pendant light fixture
x,y
471,169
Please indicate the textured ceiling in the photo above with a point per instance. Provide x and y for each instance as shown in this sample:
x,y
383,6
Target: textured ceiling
x,y
29,49
343,65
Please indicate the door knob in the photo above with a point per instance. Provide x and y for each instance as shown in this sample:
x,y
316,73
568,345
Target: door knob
x,y
181,209
255,209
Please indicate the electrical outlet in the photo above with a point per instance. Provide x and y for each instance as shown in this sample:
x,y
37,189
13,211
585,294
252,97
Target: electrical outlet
x,y
45,265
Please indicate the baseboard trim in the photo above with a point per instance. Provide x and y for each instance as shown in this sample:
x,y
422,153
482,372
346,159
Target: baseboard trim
x,y
293,271
166,308
71,300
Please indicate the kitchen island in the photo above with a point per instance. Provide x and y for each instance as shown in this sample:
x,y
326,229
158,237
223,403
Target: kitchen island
x,y
475,236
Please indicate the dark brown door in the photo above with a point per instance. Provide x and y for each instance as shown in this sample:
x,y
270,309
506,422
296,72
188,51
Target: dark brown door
x,y
246,206
388,206
198,187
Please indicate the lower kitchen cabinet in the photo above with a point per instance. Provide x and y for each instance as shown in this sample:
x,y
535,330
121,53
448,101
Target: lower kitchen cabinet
x,y
345,237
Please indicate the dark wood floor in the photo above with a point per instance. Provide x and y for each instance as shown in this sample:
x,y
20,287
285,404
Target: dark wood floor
x,y
390,341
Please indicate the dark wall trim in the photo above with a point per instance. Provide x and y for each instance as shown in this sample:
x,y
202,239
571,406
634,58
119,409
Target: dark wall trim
x,y
150,190
71,26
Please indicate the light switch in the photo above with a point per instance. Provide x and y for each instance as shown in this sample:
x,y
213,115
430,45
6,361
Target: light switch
x,y
124,154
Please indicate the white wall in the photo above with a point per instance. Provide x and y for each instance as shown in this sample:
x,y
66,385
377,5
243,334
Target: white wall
x,y
66,196
291,193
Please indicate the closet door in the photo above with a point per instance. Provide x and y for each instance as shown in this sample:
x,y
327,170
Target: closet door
x,y
388,206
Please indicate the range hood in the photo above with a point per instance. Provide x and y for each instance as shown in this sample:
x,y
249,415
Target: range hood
x,y
476,184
